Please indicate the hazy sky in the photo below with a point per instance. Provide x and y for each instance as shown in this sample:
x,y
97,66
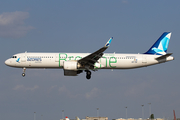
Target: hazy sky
x,y
85,26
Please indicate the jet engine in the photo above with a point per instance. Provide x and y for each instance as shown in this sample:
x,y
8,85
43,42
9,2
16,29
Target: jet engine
x,y
71,68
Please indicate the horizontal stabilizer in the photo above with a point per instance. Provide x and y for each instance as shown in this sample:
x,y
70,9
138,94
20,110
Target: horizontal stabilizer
x,y
163,56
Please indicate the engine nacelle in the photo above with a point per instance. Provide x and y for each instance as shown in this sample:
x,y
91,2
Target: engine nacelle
x,y
71,68
70,65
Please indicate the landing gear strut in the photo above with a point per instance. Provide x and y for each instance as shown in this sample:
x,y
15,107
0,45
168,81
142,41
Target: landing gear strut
x,y
23,74
88,74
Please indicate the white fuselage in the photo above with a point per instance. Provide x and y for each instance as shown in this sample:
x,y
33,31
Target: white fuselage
x,y
108,61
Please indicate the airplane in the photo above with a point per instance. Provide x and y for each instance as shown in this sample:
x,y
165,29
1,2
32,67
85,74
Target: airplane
x,y
75,63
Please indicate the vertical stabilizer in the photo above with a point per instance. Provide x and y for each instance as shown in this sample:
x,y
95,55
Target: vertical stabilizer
x,y
161,45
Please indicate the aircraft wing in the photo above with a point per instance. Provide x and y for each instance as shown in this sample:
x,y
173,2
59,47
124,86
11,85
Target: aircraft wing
x,y
92,58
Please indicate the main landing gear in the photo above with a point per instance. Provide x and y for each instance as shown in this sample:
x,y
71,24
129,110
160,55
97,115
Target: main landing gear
x,y
23,74
88,74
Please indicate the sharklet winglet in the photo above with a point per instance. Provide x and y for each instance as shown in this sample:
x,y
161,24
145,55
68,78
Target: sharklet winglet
x,y
109,42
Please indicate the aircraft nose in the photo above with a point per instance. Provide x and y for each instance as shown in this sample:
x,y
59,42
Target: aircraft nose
x,y
7,62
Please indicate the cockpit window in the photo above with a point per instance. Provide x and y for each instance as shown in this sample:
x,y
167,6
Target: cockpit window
x,y
14,56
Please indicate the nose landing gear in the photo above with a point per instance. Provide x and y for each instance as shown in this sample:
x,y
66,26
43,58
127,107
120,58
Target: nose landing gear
x,y
23,74
88,74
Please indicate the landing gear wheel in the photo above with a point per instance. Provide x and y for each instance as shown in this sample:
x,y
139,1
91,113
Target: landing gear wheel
x,y
23,74
88,74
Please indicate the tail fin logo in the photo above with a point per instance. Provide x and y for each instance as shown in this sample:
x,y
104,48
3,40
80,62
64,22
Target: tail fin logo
x,y
161,45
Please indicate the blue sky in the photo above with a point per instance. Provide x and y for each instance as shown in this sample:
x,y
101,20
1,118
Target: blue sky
x,y
85,26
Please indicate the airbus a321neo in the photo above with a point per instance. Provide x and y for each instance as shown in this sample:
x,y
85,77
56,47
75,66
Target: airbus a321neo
x,y
75,63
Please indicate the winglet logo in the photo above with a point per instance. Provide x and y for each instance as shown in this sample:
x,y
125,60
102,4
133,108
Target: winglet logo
x,y
108,43
18,60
